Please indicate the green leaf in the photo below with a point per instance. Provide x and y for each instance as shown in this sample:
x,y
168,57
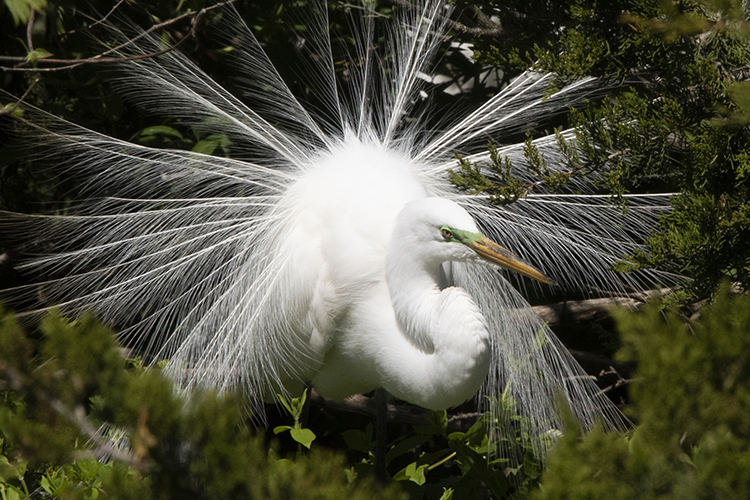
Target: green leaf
x,y
351,475
11,492
447,494
87,470
438,423
20,9
222,139
13,109
412,473
281,428
358,440
160,130
37,54
47,485
205,147
477,434
305,437
11,471
284,403
406,446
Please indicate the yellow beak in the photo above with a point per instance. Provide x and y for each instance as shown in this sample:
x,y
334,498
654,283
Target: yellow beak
x,y
492,252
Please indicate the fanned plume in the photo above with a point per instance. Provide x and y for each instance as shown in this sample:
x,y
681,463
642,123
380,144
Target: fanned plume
x,y
185,251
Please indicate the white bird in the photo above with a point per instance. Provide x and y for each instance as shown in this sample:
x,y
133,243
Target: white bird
x,y
377,316
331,249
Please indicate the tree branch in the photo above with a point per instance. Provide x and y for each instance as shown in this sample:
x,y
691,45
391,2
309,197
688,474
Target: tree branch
x,y
9,109
29,29
489,28
402,414
101,58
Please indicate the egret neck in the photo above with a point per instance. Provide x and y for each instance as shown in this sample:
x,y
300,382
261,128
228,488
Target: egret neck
x,y
443,348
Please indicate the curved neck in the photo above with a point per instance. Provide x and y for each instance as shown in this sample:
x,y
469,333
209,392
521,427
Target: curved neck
x,y
441,344
414,289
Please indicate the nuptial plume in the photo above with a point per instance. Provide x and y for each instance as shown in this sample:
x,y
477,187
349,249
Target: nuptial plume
x,y
317,253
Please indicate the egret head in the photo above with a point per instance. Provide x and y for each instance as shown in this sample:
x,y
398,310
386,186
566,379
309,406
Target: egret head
x,y
445,231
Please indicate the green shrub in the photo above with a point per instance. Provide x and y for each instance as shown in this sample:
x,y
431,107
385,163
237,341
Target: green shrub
x,y
58,390
691,403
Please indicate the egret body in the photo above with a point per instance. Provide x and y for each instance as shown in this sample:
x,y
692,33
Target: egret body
x,y
331,249
381,312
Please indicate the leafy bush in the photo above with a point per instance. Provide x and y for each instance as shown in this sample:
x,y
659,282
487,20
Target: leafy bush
x,y
163,445
675,119
691,401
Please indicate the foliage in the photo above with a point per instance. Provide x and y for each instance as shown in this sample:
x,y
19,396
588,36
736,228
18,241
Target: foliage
x,y
508,186
70,399
463,465
692,404
690,401
86,94
295,407
21,9
677,122
469,177
159,445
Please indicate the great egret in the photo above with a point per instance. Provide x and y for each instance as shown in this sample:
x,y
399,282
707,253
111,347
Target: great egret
x,y
331,249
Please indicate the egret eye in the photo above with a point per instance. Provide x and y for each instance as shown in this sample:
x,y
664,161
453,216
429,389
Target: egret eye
x,y
446,233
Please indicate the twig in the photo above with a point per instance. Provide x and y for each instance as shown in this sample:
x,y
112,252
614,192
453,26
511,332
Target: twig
x,y
487,27
117,5
13,106
72,63
98,21
366,406
30,29
597,308
582,310
493,30
93,60
640,296
361,7
401,414
620,380
617,384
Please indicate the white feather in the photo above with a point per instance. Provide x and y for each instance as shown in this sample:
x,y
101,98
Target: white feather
x,y
261,273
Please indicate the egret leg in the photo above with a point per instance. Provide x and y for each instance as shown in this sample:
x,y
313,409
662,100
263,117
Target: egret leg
x,y
381,434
